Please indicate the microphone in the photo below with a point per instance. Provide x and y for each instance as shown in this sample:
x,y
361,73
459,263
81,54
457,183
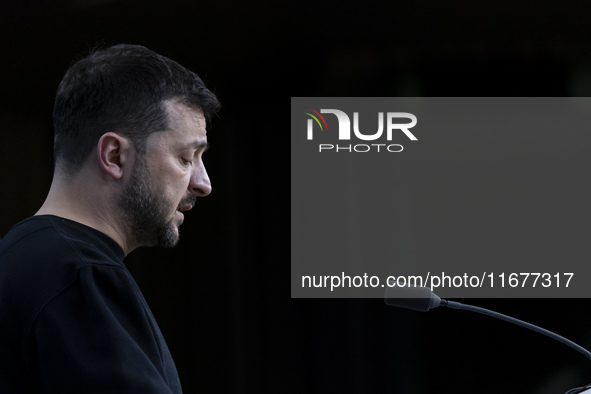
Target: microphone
x,y
422,299
416,298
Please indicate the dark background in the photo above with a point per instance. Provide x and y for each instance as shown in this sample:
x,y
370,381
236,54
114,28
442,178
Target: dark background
x,y
222,296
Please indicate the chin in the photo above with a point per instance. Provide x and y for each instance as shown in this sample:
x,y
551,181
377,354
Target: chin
x,y
168,236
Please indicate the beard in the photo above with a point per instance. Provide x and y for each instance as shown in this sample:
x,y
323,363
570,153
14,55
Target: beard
x,y
146,213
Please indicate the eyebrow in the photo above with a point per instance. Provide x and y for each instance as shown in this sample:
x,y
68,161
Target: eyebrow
x,y
199,144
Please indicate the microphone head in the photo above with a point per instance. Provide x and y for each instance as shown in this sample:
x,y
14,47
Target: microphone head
x,y
417,298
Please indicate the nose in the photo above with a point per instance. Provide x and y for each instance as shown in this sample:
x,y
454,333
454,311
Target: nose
x,y
200,184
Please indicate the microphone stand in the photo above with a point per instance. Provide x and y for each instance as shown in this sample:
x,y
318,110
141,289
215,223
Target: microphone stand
x,y
422,299
543,331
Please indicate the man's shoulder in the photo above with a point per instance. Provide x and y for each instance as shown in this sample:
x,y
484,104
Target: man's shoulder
x,y
35,240
30,227
43,239
43,256
47,252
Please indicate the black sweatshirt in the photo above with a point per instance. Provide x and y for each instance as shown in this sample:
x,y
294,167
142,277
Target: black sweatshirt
x,y
72,319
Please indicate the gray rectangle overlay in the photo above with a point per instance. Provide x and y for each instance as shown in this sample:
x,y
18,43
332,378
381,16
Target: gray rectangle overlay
x,y
490,199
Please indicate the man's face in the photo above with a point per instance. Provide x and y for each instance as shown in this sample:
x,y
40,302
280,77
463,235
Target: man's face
x,y
167,179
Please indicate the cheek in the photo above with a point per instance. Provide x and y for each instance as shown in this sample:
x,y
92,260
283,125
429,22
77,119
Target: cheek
x,y
174,178
177,186
172,183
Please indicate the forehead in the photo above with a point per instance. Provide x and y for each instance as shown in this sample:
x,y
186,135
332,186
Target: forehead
x,y
185,122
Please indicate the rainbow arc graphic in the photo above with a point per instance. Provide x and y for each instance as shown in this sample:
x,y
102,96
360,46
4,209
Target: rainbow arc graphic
x,y
316,118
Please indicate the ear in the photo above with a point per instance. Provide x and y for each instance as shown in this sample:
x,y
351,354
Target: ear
x,y
114,152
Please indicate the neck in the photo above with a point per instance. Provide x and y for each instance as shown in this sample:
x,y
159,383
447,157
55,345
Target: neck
x,y
72,198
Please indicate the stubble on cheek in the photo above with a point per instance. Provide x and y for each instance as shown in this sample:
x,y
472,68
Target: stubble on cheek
x,y
146,212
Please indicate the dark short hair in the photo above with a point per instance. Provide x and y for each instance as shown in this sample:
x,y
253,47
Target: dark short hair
x,y
120,89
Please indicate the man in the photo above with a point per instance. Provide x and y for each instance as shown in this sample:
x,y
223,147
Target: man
x,y
130,132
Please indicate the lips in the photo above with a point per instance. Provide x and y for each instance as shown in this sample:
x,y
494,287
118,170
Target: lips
x,y
186,207
186,203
